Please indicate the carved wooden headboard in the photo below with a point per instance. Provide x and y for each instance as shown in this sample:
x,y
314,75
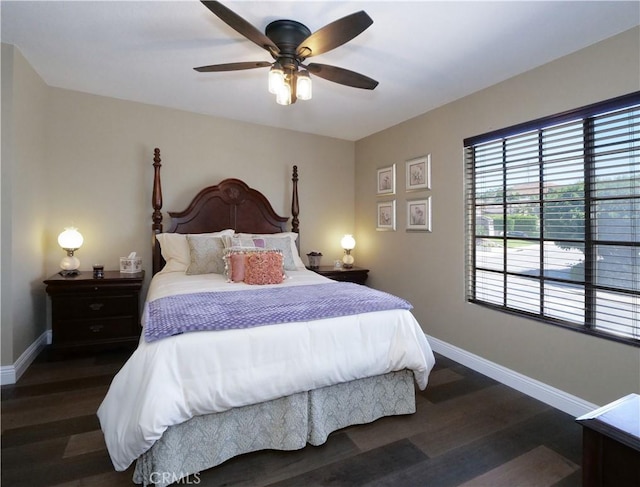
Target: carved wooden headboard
x,y
228,204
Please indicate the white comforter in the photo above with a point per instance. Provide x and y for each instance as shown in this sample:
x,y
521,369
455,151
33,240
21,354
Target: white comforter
x,y
171,380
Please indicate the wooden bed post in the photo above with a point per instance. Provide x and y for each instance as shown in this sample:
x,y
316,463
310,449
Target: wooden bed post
x,y
156,201
295,207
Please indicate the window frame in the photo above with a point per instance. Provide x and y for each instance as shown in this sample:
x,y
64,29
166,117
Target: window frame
x,y
585,114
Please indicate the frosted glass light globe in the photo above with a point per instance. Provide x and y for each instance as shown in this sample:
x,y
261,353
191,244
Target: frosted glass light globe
x,y
70,239
348,242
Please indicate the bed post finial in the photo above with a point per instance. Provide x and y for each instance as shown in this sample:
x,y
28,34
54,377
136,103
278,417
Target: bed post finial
x,y
295,207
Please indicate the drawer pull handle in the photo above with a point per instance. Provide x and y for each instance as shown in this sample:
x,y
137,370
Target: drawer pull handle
x,y
96,328
96,306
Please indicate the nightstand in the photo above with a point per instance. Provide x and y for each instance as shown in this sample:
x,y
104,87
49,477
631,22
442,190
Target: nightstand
x,y
355,274
611,444
89,314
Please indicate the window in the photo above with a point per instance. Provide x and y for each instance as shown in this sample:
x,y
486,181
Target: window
x,y
553,219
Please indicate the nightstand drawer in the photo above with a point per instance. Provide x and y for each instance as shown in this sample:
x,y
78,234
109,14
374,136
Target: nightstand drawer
x,y
100,329
91,307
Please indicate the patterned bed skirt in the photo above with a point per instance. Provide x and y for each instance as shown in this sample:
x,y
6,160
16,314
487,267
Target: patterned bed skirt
x,y
287,423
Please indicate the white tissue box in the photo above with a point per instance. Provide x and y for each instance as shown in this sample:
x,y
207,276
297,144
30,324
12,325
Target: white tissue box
x,y
130,265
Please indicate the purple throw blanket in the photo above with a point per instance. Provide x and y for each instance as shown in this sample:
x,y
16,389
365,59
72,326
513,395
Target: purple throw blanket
x,y
230,310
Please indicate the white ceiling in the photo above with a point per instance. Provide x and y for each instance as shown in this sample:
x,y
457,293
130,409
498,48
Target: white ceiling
x,y
423,53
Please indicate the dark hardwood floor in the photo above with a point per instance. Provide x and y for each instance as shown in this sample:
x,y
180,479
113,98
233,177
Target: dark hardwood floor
x,y
468,431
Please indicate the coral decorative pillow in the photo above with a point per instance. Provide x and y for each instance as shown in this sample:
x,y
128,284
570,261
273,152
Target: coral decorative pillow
x,y
236,267
234,258
263,267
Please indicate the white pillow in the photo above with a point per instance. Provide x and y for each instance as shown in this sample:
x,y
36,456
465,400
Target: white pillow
x,y
175,249
292,260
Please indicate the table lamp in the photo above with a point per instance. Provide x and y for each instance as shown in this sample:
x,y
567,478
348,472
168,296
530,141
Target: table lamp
x,y
70,240
347,243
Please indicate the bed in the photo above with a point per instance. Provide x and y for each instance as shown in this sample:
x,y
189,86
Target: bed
x,y
276,376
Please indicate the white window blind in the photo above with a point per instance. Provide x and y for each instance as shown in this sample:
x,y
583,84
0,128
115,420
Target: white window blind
x,y
553,219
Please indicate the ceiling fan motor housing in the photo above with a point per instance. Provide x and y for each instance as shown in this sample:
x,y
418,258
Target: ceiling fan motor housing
x,y
287,35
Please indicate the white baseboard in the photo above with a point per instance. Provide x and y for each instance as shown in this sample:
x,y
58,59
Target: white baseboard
x,y
561,400
9,374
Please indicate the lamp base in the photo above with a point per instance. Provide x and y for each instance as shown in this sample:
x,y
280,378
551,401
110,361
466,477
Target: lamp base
x,y
347,259
71,273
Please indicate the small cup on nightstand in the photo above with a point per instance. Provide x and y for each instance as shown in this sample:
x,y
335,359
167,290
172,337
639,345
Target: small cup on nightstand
x,y
98,271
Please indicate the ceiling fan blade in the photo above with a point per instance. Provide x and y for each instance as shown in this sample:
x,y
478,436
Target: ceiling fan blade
x,y
240,25
334,34
342,76
214,68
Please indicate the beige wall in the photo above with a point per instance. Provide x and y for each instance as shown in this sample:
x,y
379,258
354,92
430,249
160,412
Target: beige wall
x,y
24,195
102,152
428,269
85,160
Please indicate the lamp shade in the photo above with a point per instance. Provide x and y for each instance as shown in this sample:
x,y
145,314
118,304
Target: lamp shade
x,y
276,78
348,242
303,85
70,239
283,97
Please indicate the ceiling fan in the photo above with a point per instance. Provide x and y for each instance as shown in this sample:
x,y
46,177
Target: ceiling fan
x,y
290,43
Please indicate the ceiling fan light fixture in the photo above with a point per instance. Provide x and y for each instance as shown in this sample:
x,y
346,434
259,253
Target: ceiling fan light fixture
x,y
276,78
283,96
303,85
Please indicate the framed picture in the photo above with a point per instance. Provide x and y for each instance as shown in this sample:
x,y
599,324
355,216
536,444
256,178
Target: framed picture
x,y
419,173
419,215
387,215
387,180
